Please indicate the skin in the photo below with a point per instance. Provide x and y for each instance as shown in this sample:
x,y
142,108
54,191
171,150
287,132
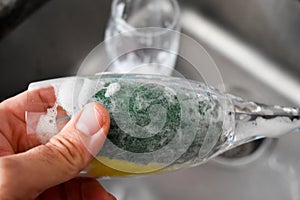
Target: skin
x,y
29,170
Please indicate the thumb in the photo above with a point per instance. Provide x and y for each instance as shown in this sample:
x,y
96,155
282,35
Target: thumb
x,y
61,159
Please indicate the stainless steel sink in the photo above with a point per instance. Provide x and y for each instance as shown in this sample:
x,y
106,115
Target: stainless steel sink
x,y
270,171
255,50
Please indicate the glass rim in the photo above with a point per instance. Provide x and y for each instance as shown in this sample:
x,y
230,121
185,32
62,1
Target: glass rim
x,y
130,28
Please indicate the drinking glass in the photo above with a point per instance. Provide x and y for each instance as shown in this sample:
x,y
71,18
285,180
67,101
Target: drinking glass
x,y
142,36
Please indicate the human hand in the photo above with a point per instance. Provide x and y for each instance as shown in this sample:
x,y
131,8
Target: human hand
x,y
29,170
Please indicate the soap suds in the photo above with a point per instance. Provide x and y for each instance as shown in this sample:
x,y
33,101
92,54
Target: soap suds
x,y
88,90
112,89
64,96
47,126
71,95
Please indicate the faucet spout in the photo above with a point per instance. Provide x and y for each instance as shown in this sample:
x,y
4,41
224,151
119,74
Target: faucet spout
x,y
255,120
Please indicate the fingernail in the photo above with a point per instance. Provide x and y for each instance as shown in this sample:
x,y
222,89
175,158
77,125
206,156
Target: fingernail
x,y
89,122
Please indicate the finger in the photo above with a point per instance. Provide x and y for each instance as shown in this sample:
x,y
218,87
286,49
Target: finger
x,y
35,101
12,115
72,189
5,147
77,189
61,159
92,190
86,188
57,193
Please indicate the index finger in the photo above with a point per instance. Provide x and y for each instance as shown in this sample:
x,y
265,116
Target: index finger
x,y
33,101
41,105
13,116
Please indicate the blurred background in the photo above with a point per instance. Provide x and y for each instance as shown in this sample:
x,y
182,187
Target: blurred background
x,y
255,44
54,40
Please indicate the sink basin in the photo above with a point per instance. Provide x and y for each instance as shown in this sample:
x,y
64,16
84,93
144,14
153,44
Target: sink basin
x,y
54,41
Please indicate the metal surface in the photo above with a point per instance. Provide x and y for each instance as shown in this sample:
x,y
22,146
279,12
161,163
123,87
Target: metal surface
x,y
256,41
270,25
272,172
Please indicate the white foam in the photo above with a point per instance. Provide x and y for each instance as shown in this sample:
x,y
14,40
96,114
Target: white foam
x,y
47,126
112,89
71,94
88,90
65,95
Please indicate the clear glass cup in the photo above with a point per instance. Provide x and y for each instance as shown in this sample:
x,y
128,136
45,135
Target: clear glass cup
x,y
149,38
